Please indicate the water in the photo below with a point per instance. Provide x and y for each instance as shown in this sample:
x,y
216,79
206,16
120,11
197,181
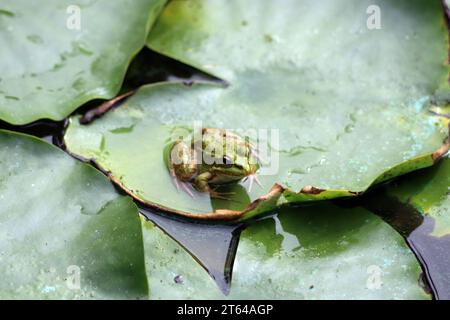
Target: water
x,y
51,131
213,246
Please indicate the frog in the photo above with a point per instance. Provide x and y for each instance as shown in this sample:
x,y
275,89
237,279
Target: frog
x,y
218,157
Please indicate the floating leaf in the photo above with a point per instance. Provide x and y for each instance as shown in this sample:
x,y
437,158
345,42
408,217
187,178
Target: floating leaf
x,y
328,47
57,55
60,219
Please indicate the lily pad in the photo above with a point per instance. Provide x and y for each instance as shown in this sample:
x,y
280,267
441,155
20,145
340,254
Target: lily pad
x,y
60,219
57,55
318,252
331,43
337,107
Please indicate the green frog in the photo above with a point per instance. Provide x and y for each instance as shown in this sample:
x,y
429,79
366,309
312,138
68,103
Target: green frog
x,y
219,157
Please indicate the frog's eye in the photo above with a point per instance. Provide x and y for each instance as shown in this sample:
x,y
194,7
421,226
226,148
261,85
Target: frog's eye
x,y
227,160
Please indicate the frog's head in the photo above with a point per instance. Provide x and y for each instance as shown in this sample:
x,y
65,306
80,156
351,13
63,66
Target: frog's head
x,y
232,155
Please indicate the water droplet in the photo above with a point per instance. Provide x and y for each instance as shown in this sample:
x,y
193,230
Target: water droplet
x,y
12,98
268,38
7,13
349,128
178,279
82,48
58,66
78,84
35,39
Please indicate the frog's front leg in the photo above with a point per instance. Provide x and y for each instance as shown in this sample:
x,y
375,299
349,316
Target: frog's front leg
x,y
201,183
182,166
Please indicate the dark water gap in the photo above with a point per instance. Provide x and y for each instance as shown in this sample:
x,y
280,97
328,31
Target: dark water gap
x,y
48,130
213,246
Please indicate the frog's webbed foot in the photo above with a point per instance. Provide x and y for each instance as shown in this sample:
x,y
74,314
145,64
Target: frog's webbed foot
x,y
180,185
252,178
201,183
221,195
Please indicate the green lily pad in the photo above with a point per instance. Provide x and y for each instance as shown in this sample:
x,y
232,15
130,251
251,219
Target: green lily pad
x,y
331,44
318,252
60,218
49,67
336,107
